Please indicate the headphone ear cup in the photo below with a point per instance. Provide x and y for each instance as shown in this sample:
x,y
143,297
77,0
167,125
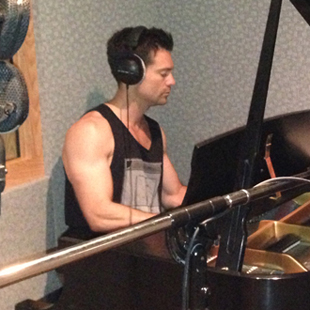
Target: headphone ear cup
x,y
128,68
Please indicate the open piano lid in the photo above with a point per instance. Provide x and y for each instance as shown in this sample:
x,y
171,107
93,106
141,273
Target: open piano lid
x,y
214,161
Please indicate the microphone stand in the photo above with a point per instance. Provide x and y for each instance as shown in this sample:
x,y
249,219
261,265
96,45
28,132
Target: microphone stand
x,y
174,218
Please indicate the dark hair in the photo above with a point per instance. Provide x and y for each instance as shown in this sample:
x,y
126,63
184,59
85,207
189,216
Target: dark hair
x,y
150,39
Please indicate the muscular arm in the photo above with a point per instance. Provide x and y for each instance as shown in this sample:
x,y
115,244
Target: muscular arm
x,y
87,154
173,191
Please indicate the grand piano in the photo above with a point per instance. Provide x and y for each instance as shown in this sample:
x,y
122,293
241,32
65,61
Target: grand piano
x,y
150,273
254,256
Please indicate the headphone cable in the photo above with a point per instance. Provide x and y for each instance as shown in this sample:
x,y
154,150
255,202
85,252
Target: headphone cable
x,y
128,155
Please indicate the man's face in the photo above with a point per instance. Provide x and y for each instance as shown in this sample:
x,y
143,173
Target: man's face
x,y
156,86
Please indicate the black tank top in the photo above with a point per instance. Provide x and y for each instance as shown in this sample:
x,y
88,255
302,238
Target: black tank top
x,y
136,171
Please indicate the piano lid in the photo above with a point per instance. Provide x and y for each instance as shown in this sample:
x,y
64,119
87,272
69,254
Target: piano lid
x,y
259,151
213,166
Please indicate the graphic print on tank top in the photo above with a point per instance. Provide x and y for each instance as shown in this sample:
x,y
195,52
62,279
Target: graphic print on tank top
x,y
140,186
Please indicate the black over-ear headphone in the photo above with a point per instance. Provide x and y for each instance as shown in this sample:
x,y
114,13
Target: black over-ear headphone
x,y
128,67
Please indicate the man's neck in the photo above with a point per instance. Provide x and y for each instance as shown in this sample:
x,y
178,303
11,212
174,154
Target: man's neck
x,y
132,110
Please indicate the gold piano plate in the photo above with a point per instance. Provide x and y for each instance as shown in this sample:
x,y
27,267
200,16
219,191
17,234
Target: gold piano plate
x,y
258,261
264,262
270,231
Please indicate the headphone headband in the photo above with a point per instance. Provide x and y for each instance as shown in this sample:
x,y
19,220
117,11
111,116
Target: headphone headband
x,y
134,36
128,67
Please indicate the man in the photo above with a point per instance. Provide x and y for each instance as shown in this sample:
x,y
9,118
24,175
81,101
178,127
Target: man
x,y
118,171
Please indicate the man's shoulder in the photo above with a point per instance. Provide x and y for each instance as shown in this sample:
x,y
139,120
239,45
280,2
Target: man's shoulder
x,y
92,119
89,136
91,124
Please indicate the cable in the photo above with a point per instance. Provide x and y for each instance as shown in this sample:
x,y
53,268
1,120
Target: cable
x,y
215,217
129,155
190,250
282,179
277,179
257,218
128,161
186,269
